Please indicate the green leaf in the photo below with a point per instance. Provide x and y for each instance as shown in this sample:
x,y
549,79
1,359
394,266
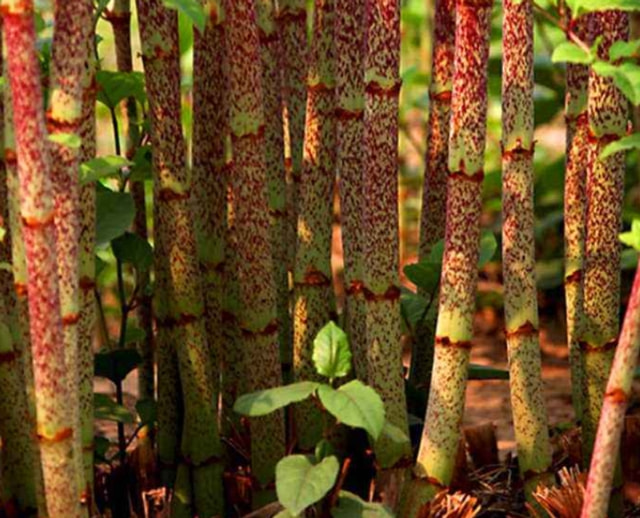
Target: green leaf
x,y
488,247
323,449
134,250
117,364
266,401
398,445
624,49
425,275
134,335
114,215
285,514
355,404
105,408
101,446
147,411
624,144
331,353
114,87
192,9
569,52
413,308
632,238
604,5
483,372
300,483
70,140
141,169
102,167
352,506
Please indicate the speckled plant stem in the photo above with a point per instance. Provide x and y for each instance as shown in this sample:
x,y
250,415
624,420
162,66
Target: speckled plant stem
x,y
18,462
574,210
313,290
181,310
441,434
380,226
608,114
270,52
518,247
73,26
434,193
257,293
616,399
349,134
55,421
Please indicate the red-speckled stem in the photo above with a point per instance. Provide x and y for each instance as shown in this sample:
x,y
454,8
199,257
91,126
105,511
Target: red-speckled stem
x,y
55,424
434,194
349,133
257,294
518,246
441,434
616,399
380,228
313,290
608,115
181,308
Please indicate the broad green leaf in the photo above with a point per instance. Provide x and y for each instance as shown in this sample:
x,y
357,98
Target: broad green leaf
x,y
114,87
624,49
192,9
435,255
413,308
70,140
323,449
300,483
131,249
582,6
102,167
134,335
488,247
352,506
425,275
632,238
624,144
115,365
569,52
114,215
398,444
331,354
483,372
629,259
105,408
355,404
101,446
141,169
266,401
147,411
285,514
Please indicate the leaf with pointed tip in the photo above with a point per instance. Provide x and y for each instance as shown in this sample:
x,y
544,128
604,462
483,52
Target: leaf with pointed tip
x,y
331,353
266,401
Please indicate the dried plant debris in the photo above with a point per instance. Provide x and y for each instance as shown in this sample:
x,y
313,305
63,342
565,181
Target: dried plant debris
x,y
451,505
563,500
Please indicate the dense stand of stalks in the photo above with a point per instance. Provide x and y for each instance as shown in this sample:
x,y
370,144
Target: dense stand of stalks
x,y
518,245
313,289
436,457
574,210
616,398
608,115
181,312
380,227
434,195
257,293
54,417
349,132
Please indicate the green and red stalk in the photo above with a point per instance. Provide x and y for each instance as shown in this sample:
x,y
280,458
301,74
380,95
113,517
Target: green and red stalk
x,y
518,246
574,209
441,433
181,311
380,228
608,115
434,193
616,399
313,290
257,292
270,52
54,417
349,134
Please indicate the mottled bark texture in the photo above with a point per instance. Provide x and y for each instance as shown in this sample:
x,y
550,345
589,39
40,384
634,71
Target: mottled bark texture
x,y
313,290
257,293
434,193
577,123
616,399
181,311
441,435
380,228
608,114
349,133
518,246
55,423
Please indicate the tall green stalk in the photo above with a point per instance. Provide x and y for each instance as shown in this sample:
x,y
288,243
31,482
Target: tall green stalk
x,y
441,433
313,289
55,420
518,246
181,309
257,293
434,193
349,134
380,229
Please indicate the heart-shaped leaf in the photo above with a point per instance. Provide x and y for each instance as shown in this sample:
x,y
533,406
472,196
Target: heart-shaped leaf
x,y
331,354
